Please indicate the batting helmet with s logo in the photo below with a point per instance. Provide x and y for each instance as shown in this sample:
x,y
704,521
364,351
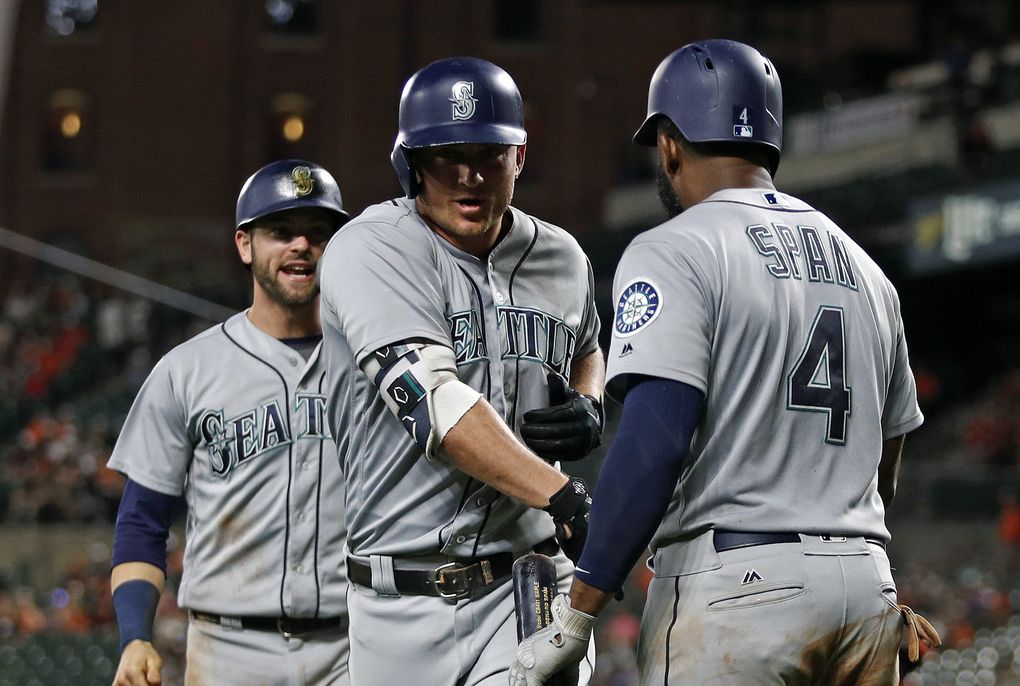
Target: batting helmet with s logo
x,y
456,100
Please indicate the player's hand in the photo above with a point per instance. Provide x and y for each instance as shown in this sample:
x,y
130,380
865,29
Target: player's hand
x,y
560,645
140,665
567,430
570,508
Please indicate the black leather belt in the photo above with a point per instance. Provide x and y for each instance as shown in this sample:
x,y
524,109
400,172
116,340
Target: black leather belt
x,y
731,540
454,579
288,626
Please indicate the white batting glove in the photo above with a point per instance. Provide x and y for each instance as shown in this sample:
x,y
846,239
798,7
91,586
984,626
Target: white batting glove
x,y
561,644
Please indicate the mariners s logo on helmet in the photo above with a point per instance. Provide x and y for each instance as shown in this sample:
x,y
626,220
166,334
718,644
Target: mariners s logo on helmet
x,y
302,178
637,306
463,100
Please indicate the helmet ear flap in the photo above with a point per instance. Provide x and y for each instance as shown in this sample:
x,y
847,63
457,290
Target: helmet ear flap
x,y
400,158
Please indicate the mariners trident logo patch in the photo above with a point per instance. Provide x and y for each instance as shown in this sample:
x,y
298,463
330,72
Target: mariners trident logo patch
x,y
638,306
463,99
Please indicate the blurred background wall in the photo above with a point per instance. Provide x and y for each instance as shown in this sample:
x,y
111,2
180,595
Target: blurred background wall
x,y
127,128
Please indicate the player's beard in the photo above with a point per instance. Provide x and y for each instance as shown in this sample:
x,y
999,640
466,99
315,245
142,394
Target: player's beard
x,y
667,196
278,292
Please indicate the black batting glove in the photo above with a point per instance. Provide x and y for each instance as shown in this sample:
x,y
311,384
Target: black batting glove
x,y
570,507
567,430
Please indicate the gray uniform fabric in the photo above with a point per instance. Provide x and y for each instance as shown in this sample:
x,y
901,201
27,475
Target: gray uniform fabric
x,y
736,308
234,420
791,614
795,336
527,310
222,655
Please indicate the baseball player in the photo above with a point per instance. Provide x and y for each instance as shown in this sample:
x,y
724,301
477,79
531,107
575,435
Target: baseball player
x,y
453,324
232,423
760,357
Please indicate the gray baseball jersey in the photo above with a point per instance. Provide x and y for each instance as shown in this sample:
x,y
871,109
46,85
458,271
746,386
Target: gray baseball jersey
x,y
796,338
234,420
524,311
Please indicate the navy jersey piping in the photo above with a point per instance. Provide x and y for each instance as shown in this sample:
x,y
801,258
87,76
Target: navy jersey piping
x,y
460,508
488,389
318,514
510,295
771,208
290,460
669,632
478,536
481,321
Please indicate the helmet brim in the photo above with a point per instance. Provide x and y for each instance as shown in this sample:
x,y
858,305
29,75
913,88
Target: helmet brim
x,y
299,203
648,132
454,134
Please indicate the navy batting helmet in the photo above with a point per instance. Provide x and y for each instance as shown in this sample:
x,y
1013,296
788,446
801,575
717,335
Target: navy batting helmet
x,y
718,91
287,185
456,100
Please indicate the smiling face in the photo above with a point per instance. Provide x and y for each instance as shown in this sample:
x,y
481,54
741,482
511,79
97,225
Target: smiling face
x,y
283,250
465,190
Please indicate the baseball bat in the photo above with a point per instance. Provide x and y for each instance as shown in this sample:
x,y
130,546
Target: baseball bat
x,y
534,579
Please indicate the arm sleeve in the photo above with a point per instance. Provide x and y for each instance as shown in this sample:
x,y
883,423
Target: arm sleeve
x,y
588,334
154,448
901,413
143,524
638,477
664,318
382,285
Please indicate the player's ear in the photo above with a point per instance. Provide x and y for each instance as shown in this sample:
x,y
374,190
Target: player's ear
x,y
670,154
242,239
521,150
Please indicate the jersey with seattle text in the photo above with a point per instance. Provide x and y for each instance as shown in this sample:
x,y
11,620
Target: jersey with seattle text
x,y
235,420
795,336
511,319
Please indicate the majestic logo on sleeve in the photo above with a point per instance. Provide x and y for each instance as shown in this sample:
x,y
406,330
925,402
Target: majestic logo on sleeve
x,y
232,442
302,178
638,306
463,100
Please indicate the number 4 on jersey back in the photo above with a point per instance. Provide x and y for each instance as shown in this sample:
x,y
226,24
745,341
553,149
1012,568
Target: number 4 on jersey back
x,y
818,380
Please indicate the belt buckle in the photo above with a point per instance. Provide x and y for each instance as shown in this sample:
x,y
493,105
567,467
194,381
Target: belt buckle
x,y
283,626
438,577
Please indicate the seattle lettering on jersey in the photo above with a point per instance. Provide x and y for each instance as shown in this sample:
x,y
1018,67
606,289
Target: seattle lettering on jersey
x,y
530,334
234,441
468,339
526,334
825,259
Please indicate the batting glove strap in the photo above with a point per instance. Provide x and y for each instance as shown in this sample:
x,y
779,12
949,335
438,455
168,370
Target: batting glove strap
x,y
571,622
569,501
556,648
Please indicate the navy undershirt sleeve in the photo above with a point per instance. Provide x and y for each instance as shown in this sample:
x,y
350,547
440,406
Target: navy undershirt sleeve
x,y
143,524
638,477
